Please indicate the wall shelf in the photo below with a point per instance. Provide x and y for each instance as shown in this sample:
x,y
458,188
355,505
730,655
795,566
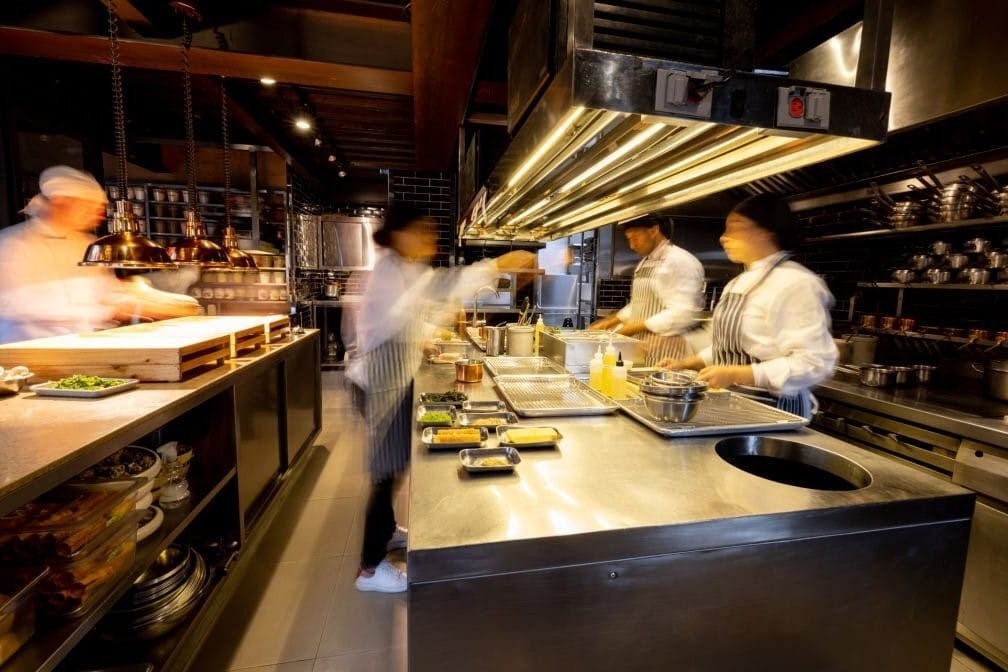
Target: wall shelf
x,y
923,228
989,287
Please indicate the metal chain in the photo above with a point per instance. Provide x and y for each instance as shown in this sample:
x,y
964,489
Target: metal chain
x,y
190,154
227,155
118,104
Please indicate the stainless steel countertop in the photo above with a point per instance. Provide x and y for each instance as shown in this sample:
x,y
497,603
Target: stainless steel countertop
x,y
614,489
950,410
345,300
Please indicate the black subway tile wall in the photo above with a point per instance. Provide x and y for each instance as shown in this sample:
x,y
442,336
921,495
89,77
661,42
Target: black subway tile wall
x,y
613,293
431,194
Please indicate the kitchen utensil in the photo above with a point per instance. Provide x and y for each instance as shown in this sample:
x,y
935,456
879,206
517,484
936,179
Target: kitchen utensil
x,y
923,373
331,289
876,375
889,322
670,409
904,275
997,259
496,340
869,321
862,349
519,340
975,276
468,371
843,349
996,378
977,245
932,181
921,262
938,276
940,248
907,324
902,375
957,261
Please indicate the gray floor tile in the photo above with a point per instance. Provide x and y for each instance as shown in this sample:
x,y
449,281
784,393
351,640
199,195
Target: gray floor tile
x,y
385,660
295,666
309,529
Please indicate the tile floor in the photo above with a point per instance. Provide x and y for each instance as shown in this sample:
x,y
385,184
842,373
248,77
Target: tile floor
x,y
297,609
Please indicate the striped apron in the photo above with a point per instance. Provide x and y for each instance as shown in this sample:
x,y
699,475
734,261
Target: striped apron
x,y
728,351
645,302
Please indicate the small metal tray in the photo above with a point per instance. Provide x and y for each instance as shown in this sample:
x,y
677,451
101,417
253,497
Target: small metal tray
x,y
50,390
435,408
474,459
484,406
430,432
486,419
503,439
552,395
436,398
521,366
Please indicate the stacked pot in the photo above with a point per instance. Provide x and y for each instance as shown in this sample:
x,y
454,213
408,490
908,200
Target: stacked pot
x,y
673,396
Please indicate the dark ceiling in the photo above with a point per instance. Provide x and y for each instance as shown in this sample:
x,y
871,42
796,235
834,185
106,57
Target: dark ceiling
x,y
386,83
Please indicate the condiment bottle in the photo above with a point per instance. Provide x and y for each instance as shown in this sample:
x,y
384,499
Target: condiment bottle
x,y
619,379
539,326
595,370
608,364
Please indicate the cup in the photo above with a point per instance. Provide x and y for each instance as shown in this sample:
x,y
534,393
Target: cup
x,y
888,322
519,340
869,321
907,324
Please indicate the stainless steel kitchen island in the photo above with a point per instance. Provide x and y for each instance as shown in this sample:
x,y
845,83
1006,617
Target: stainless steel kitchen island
x,y
621,550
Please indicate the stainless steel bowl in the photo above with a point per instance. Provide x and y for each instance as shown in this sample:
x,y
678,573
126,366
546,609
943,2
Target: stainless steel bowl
x,y
924,373
674,385
902,375
876,375
669,409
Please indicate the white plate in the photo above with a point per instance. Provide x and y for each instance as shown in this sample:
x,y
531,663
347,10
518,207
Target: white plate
x,y
47,389
145,531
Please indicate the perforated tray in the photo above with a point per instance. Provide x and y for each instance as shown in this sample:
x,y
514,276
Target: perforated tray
x,y
546,395
519,366
719,413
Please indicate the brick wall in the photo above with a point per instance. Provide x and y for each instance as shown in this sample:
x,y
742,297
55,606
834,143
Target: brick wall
x,y
613,293
431,194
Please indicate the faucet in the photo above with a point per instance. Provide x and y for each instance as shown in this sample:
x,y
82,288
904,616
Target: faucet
x,y
484,288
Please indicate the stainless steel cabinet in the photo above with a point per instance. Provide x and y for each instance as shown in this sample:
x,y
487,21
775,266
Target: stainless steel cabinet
x,y
346,242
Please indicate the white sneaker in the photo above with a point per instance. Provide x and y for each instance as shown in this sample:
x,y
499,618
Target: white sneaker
x,y
385,579
398,539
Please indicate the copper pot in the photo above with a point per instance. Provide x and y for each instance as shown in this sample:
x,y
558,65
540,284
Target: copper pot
x,y
888,322
907,324
468,371
869,321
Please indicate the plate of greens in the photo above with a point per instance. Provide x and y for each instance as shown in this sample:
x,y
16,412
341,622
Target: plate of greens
x,y
80,385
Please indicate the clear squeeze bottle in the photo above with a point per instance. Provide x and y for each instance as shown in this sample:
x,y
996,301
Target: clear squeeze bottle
x,y
619,379
539,327
608,364
595,370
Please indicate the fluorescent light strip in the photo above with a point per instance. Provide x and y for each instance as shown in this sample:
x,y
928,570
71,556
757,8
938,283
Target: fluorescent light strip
x,y
546,145
634,143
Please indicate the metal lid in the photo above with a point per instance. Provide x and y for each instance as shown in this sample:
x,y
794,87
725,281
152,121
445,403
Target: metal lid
x,y
126,249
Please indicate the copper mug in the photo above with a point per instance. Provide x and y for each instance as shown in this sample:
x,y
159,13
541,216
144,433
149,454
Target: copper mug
x,y
979,335
907,324
888,322
868,321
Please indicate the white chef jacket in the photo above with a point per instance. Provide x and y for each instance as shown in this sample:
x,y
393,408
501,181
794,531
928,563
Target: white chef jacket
x,y
785,325
678,279
399,293
43,292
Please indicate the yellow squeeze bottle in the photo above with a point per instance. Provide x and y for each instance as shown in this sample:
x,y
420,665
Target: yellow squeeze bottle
x,y
608,364
619,379
595,370
539,326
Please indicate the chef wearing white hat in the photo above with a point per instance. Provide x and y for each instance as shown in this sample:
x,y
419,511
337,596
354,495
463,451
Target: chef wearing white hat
x,y
43,291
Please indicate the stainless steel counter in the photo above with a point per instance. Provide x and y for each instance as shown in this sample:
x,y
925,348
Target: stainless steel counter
x,y
345,300
952,410
614,478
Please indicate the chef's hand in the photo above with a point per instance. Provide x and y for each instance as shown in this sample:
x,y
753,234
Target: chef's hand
x,y
632,328
670,364
726,376
605,324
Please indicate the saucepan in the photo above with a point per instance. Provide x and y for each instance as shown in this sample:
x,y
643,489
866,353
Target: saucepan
x,y
876,375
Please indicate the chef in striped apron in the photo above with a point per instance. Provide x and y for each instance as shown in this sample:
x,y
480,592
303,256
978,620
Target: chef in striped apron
x,y
771,327
401,292
666,294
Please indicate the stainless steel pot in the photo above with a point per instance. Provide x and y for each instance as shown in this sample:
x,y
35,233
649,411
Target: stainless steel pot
x,y
940,247
938,276
921,262
496,340
975,276
331,290
997,259
902,375
862,349
978,245
923,373
957,261
996,378
904,275
876,375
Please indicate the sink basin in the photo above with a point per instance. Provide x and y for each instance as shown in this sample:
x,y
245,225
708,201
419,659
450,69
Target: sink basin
x,y
792,463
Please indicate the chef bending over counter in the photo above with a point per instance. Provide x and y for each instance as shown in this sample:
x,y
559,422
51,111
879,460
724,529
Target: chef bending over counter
x,y
771,326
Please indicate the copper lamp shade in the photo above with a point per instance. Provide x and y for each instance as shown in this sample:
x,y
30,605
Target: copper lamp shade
x,y
195,248
125,246
240,259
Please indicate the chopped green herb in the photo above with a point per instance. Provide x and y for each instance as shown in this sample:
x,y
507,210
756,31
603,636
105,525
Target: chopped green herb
x,y
82,382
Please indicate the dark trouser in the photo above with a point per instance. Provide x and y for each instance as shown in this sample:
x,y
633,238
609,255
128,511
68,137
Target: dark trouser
x,y
379,522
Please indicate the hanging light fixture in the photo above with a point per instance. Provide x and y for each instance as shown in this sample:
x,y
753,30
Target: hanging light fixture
x,y
239,259
124,246
194,247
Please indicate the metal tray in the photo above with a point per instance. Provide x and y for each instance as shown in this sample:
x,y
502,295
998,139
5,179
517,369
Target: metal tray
x,y
552,395
720,413
446,408
490,419
521,366
484,406
432,398
427,437
47,389
472,459
502,437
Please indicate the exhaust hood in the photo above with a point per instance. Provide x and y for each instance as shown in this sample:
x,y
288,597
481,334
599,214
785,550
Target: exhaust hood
x,y
615,136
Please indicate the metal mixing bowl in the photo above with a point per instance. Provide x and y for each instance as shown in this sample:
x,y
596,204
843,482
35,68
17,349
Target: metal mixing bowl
x,y
669,409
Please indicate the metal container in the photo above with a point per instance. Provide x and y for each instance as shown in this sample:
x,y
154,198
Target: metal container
x,y
496,340
670,409
997,259
957,261
996,378
862,349
904,275
876,375
468,371
902,375
938,276
574,349
920,262
924,373
940,248
975,276
978,245
520,340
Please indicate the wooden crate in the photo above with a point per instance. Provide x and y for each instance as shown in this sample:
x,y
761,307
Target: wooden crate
x,y
142,351
245,333
277,327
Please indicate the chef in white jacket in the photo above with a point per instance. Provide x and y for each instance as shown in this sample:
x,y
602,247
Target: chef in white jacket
x,y
771,326
43,290
666,293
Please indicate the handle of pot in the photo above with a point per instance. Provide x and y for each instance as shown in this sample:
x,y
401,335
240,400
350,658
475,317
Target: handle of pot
x,y
976,368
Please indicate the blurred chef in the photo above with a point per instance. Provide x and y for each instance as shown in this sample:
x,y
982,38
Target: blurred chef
x,y
666,294
771,327
392,326
43,291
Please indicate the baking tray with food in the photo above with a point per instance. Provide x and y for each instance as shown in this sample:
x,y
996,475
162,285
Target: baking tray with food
x,y
441,438
84,386
486,418
483,460
528,437
449,397
435,415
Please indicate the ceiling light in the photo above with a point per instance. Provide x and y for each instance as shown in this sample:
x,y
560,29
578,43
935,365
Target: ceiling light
x,y
331,158
303,124
342,172
318,142
267,81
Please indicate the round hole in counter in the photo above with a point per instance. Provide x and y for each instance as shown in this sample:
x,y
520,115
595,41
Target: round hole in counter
x,y
792,463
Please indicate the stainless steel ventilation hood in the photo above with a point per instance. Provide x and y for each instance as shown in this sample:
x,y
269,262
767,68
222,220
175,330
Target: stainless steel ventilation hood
x,y
615,136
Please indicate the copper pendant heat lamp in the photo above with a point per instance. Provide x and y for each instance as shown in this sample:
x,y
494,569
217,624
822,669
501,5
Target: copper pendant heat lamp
x,y
125,246
194,248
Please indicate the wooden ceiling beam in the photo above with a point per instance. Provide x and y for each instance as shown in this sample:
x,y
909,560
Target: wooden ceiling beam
x,y
447,38
165,56
129,13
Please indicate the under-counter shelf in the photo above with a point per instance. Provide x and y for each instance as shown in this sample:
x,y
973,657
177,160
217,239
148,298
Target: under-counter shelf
x,y
922,228
990,287
940,338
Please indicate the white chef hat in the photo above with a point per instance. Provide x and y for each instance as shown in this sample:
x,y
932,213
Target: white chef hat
x,y
65,181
